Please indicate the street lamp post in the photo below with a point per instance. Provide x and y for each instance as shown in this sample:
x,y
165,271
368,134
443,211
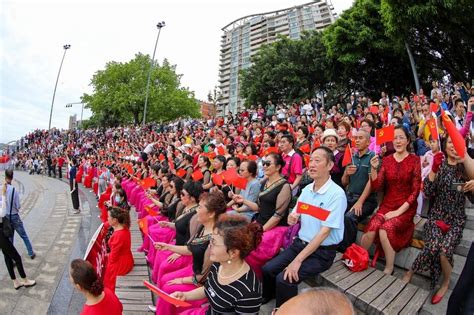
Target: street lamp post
x,y
82,109
160,25
66,47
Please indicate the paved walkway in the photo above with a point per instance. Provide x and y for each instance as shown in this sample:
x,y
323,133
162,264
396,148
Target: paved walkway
x,y
57,236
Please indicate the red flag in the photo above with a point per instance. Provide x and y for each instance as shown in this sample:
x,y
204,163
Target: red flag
x,y
143,224
433,107
269,150
317,212
220,150
252,157
305,148
347,159
433,128
197,175
165,296
151,211
316,144
458,141
242,156
148,182
357,122
161,157
171,164
306,158
240,182
181,172
374,109
230,176
385,134
129,169
217,179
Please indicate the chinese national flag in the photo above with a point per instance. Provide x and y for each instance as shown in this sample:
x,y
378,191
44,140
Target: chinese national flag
x,y
197,175
171,164
217,179
458,141
220,150
269,150
181,172
385,134
148,182
129,169
252,157
242,156
230,176
143,224
433,107
161,157
374,109
211,155
305,148
316,144
240,182
165,296
433,128
317,212
347,159
151,211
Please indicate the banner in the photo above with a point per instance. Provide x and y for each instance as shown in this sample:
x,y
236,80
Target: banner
x,y
96,252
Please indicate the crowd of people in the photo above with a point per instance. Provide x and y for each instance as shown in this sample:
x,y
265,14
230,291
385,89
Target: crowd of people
x,y
222,200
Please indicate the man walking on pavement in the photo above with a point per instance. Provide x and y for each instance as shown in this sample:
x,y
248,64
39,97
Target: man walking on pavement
x,y
13,211
74,186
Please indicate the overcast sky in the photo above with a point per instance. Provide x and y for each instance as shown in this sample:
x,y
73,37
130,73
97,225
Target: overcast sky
x,y
32,34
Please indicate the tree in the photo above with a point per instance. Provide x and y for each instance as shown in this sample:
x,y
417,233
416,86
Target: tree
x,y
286,69
361,55
119,93
439,33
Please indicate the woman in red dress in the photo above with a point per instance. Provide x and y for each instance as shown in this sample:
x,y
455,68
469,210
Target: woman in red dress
x,y
98,300
120,259
399,178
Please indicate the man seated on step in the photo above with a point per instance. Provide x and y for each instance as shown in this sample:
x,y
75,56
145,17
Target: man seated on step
x,y
361,201
313,251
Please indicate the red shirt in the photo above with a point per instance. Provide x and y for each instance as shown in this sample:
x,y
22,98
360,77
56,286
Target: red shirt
x,y
109,305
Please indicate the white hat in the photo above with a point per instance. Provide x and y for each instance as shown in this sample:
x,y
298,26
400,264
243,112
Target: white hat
x,y
330,133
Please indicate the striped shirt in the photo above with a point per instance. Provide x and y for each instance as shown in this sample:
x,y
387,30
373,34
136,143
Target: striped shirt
x,y
243,296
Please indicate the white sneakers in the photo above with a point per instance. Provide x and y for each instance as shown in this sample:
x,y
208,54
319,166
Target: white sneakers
x,y
23,282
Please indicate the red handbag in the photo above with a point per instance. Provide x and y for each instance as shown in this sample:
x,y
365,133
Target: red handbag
x,y
356,258
444,227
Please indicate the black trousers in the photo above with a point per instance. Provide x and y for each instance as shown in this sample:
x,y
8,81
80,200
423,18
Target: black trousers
x,y
60,172
273,283
11,254
75,196
351,219
461,301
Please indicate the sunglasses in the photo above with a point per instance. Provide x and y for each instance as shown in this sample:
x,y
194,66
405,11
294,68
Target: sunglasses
x,y
266,163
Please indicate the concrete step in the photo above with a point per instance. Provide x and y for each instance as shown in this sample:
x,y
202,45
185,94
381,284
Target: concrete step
x,y
470,218
440,308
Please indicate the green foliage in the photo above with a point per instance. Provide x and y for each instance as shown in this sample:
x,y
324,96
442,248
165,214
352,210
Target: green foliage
x,y
119,93
439,33
286,69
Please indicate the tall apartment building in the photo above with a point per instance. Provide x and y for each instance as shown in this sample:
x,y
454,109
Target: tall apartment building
x,y
242,39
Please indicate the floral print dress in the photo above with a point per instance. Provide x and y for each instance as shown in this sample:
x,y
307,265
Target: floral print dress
x,y
449,206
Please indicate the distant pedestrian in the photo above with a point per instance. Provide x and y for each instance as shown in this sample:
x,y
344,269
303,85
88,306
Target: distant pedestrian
x,y
99,300
74,187
12,202
60,166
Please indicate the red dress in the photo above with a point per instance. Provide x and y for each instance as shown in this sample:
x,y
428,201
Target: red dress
x,y
109,305
400,181
120,260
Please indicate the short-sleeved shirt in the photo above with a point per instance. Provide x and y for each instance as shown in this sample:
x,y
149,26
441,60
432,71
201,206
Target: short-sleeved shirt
x,y
330,197
359,179
16,200
296,162
243,296
72,173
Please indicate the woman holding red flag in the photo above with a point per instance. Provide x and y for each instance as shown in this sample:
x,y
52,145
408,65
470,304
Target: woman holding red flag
x,y
446,219
272,207
399,176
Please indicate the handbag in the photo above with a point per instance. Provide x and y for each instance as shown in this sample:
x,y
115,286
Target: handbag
x,y
291,234
7,225
356,258
443,226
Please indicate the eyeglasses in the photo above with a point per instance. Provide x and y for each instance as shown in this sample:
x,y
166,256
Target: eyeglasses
x,y
266,163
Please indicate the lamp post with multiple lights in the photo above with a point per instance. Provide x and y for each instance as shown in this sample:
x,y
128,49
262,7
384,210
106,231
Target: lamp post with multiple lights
x,y
160,25
66,47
